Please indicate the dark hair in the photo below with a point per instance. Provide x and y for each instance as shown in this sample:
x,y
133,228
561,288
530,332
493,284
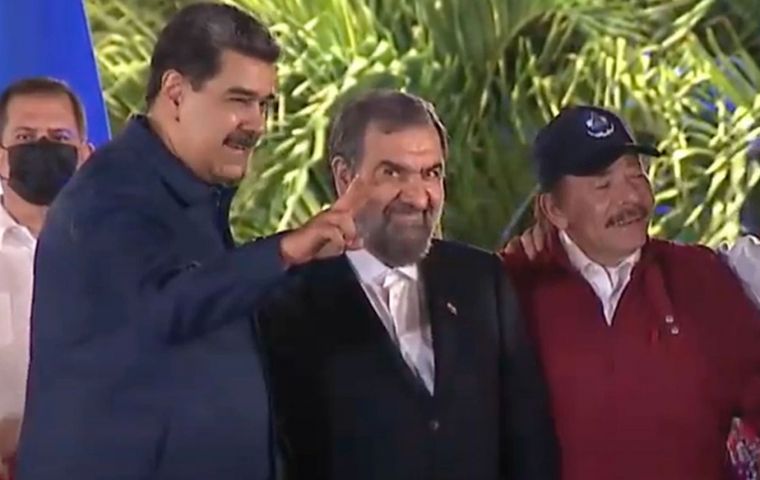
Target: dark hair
x,y
193,40
42,86
390,110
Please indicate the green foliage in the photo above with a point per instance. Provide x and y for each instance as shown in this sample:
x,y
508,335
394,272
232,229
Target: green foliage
x,y
684,72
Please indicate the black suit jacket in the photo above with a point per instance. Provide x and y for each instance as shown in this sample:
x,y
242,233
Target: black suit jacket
x,y
349,408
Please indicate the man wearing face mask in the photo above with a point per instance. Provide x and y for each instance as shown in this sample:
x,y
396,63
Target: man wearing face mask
x,y
650,348
144,359
42,140
406,359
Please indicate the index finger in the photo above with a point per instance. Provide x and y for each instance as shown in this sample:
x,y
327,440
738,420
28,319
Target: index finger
x,y
355,196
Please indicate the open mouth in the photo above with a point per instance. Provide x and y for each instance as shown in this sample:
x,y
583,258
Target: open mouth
x,y
238,147
626,221
407,217
241,143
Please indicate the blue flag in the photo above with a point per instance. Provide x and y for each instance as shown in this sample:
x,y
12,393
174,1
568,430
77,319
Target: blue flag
x,y
51,38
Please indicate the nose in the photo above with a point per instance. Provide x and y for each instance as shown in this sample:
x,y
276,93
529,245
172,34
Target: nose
x,y
254,118
631,192
415,194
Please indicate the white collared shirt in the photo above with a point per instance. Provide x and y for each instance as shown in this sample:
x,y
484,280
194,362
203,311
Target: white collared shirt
x,y
412,333
744,258
607,282
17,247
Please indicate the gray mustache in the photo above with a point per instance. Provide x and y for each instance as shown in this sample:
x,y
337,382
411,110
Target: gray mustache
x,y
635,212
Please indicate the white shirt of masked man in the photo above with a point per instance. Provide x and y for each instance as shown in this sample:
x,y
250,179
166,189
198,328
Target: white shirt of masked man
x,y
17,246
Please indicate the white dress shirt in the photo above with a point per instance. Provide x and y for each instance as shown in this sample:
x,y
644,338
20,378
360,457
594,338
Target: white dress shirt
x,y
397,296
17,246
744,259
607,282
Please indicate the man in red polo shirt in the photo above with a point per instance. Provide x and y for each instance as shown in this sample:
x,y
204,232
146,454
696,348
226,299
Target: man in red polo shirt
x,y
650,348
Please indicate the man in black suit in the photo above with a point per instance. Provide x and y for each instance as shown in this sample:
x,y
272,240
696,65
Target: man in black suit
x,y
406,359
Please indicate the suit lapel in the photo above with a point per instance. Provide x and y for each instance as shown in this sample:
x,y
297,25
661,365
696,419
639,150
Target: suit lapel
x,y
443,316
356,312
359,316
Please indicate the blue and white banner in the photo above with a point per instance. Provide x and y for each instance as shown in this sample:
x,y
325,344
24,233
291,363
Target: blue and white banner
x,y
51,38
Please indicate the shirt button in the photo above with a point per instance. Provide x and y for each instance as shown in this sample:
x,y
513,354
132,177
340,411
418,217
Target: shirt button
x,y
434,425
675,330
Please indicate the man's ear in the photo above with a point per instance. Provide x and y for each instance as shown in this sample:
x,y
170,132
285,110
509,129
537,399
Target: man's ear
x,y
173,86
341,173
549,207
5,169
85,150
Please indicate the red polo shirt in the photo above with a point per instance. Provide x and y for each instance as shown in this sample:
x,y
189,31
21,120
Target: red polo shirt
x,y
653,395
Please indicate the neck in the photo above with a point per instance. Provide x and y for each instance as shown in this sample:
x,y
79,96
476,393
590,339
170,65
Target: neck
x,y
161,124
601,258
24,213
398,262
608,261
157,125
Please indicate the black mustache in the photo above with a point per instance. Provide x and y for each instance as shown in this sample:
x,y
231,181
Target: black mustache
x,y
243,139
634,212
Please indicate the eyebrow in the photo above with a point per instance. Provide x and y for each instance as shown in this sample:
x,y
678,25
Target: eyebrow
x,y
23,129
438,165
62,130
400,166
246,92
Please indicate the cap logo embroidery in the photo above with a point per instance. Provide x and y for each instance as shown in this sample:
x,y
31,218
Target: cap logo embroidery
x,y
598,126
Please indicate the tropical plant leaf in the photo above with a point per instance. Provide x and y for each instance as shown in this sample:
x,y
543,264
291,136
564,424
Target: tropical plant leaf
x,y
684,73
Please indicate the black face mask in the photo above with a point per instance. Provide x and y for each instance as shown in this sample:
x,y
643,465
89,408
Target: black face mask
x,y
39,170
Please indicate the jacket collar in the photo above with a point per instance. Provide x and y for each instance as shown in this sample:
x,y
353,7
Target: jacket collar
x,y
372,271
555,253
583,263
186,186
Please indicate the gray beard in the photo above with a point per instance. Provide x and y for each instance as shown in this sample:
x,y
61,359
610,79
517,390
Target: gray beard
x,y
395,245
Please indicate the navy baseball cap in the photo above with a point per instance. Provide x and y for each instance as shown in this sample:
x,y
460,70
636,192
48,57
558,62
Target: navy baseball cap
x,y
582,141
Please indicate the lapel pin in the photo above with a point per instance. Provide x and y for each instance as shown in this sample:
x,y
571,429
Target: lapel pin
x,y
451,308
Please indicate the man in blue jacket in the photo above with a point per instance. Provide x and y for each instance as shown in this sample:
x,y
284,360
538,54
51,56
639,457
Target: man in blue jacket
x,y
144,362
